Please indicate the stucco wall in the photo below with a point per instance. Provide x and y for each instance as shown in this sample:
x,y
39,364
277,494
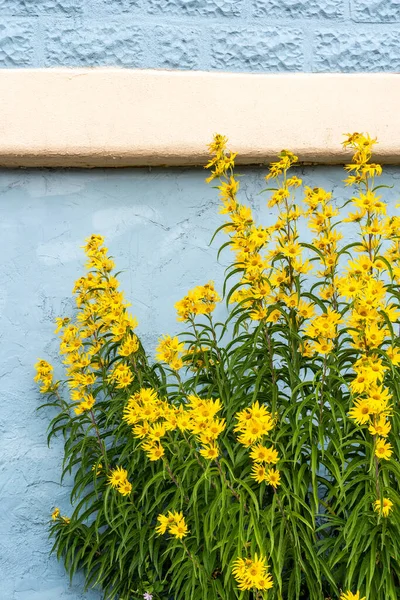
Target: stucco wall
x,y
232,35
158,224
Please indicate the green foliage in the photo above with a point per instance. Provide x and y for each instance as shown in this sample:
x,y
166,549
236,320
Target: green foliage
x,y
317,526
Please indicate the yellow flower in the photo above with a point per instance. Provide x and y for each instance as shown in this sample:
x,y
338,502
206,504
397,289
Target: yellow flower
x,y
259,473
122,376
87,403
129,346
44,375
383,449
379,398
168,351
273,478
157,431
362,381
305,309
117,477
153,450
394,355
292,250
98,468
164,522
55,514
384,507
61,322
210,452
218,144
361,411
141,431
294,181
93,243
307,349
125,488
179,529
199,301
260,453
351,596
323,346
380,427
252,573
253,423
174,522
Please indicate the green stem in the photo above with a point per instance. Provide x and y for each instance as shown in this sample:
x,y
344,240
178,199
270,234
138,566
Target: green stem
x,y
135,368
227,483
174,479
99,440
283,514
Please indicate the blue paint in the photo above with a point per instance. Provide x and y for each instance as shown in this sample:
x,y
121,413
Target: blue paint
x,y
157,224
228,35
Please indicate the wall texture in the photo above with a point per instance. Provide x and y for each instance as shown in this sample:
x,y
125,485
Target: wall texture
x,y
158,224
231,35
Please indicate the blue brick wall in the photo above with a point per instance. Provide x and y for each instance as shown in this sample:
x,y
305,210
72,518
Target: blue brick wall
x,y
233,35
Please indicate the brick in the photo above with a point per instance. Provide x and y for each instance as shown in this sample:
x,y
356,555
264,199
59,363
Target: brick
x,y
177,48
94,44
368,51
327,9
224,8
39,7
269,49
114,7
16,44
375,11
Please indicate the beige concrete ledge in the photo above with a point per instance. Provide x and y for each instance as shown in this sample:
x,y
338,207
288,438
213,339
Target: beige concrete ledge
x,y
122,117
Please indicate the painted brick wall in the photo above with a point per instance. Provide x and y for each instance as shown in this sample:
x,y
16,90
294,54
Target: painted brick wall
x,y
234,35
158,224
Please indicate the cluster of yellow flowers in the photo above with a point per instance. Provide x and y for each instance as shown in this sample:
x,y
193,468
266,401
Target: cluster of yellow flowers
x,y
246,239
253,423
118,479
102,309
151,419
270,279
201,300
365,288
320,213
56,516
220,162
198,357
174,523
267,277
252,573
44,375
323,330
169,350
121,376
129,346
272,261
284,234
198,417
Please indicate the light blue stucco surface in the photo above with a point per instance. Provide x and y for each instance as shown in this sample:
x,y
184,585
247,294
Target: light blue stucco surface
x,y
157,225
232,35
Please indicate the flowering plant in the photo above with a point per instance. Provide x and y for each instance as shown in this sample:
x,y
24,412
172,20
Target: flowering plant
x,y
257,457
